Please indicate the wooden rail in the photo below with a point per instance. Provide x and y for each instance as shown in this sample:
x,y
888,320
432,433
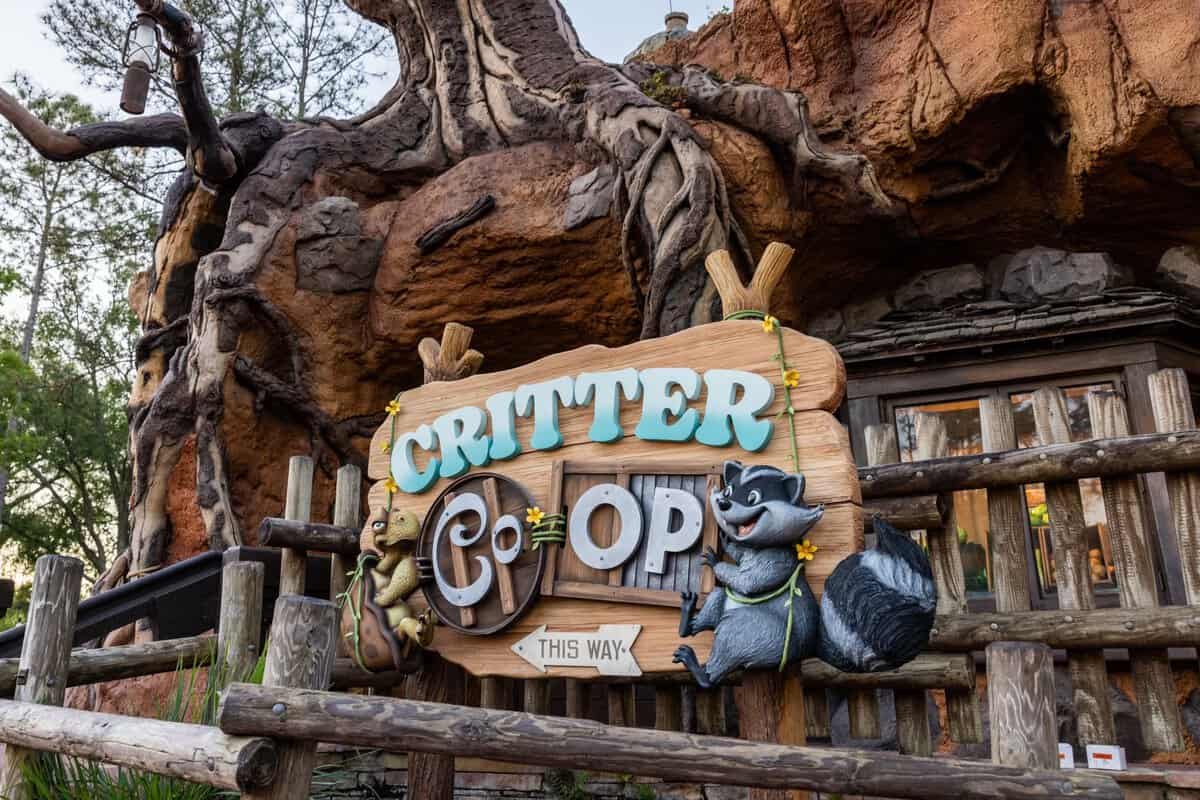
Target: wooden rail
x,y
198,753
1169,626
131,661
317,536
1096,458
517,737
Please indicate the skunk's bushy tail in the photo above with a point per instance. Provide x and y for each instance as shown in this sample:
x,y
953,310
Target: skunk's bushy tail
x,y
878,606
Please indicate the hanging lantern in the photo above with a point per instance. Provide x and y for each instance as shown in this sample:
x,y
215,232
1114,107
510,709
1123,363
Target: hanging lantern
x,y
141,60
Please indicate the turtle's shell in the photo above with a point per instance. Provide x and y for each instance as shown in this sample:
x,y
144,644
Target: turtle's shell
x,y
379,648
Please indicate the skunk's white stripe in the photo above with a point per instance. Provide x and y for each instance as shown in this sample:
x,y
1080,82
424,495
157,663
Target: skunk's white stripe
x,y
898,576
844,638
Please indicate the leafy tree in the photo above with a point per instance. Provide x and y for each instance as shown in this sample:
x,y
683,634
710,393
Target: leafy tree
x,y
70,236
295,58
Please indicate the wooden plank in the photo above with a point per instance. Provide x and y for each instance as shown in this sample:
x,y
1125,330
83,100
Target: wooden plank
x,y
907,513
462,573
710,711
709,537
1096,458
824,458
1006,512
577,698
537,697
1167,626
621,706
45,655
393,724
1133,556
129,661
614,575
197,753
347,514
1093,708
298,507
1021,703
240,631
912,723
1174,417
653,648
667,708
504,578
964,719
771,709
816,713
304,634
553,506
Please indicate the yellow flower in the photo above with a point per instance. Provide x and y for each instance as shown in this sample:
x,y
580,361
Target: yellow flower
x,y
806,550
534,515
393,408
791,378
769,323
385,447
391,485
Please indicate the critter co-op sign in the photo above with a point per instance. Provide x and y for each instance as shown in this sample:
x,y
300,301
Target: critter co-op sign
x,y
564,505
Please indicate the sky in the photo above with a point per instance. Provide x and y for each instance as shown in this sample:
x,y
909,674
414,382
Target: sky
x,y
609,29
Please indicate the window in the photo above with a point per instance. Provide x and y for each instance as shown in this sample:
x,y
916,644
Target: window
x,y
962,417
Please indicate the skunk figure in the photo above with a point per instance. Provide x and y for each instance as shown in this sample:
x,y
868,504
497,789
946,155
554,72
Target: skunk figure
x,y
875,614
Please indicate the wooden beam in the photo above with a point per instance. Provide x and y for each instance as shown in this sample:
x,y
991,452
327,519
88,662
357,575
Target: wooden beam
x,y
197,753
347,515
131,661
1072,578
1133,556
431,774
392,724
298,507
1171,399
1096,458
771,709
45,655
1168,626
304,634
275,532
1006,512
862,703
907,513
240,631
1021,701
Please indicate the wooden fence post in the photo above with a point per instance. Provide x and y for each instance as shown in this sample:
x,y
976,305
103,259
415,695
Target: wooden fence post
x,y
1006,512
1153,683
537,696
816,714
347,513
294,562
1021,703
1171,400
912,711
578,695
964,719
45,654
710,711
239,633
1093,708
304,634
771,709
622,710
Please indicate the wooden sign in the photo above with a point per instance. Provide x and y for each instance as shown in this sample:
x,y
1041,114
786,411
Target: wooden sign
x,y
627,444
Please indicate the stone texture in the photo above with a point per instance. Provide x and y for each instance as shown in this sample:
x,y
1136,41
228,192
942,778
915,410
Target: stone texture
x,y
589,197
1042,273
331,253
1179,271
860,315
937,288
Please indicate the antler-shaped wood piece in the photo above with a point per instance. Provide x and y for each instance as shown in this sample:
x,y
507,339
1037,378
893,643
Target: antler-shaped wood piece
x,y
757,296
452,359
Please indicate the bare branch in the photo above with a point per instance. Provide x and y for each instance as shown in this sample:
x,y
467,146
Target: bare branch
x,y
161,130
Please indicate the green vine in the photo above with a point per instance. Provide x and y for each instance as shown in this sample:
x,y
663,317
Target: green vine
x,y
787,376
347,597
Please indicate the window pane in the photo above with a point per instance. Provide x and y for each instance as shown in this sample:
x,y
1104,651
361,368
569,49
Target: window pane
x,y
970,507
1100,559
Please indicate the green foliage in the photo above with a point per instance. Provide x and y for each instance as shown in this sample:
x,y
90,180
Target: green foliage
x,y
20,607
566,784
294,58
658,88
718,11
71,236
1039,516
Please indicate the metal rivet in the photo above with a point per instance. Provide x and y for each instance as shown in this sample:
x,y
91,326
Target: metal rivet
x,y
1043,457
987,460
994,626
933,631
1172,439
870,477
279,710
1100,452
920,473
1069,618
1129,625
50,681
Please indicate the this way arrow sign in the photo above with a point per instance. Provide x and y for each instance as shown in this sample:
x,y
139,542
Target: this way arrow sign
x,y
609,649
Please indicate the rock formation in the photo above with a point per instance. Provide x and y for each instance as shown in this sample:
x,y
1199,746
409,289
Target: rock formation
x,y
512,182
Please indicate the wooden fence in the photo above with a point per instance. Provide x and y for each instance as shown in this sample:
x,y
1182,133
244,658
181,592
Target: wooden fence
x,y
268,733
